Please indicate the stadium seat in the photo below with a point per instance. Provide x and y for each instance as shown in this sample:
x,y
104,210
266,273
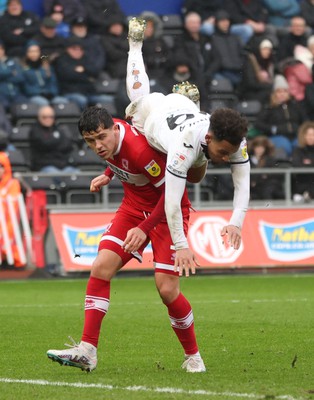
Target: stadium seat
x,y
106,85
24,114
172,24
46,183
222,90
67,112
86,160
76,188
18,161
249,108
283,143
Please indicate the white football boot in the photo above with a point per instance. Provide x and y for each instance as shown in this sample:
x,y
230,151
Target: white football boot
x,y
136,29
193,364
189,90
80,355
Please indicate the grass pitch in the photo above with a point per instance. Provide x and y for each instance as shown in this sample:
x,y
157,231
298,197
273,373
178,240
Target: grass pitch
x,y
255,333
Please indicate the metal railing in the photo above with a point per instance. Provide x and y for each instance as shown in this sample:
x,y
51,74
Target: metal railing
x,y
197,191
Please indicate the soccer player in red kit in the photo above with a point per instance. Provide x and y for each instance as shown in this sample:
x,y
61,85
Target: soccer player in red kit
x,y
141,219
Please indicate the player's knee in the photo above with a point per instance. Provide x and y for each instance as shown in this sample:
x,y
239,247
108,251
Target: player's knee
x,y
168,292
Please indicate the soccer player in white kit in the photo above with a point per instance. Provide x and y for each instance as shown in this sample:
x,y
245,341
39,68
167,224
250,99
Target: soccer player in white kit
x,y
173,124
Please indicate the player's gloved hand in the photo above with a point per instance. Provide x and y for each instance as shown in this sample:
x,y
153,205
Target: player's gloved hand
x,y
185,261
134,240
234,235
98,182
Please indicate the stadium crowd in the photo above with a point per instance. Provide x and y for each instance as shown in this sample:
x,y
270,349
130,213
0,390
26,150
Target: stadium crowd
x,y
254,53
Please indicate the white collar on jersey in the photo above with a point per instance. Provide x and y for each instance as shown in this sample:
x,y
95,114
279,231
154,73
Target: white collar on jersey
x,y
121,137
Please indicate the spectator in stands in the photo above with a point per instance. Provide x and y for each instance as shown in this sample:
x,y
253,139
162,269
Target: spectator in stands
x,y
155,49
227,52
93,48
258,73
207,10
262,155
116,47
281,118
50,144
252,14
195,46
100,13
9,186
297,36
17,27
280,13
50,43
76,76
179,70
303,156
298,71
11,79
71,9
307,12
39,79
62,28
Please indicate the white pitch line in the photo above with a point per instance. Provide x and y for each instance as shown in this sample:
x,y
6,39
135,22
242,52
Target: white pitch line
x,y
200,392
139,303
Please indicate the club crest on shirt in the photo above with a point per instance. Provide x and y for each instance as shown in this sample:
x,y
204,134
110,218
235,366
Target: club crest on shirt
x,y
244,150
153,168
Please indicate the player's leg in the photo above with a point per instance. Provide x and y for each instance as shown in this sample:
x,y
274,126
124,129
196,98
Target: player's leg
x,y
137,81
111,257
179,309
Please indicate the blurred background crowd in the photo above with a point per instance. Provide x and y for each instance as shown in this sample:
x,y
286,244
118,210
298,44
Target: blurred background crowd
x,y
256,56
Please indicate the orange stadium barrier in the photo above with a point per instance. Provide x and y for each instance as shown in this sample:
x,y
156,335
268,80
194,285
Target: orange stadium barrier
x,y
271,238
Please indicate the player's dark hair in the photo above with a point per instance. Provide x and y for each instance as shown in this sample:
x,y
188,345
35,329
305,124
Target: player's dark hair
x,y
94,118
227,124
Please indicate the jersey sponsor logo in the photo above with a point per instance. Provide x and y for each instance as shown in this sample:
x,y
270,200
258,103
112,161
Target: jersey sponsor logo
x,y
175,120
125,163
244,150
153,168
188,146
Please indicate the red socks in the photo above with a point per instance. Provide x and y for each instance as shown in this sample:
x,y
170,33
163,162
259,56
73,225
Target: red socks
x,y
96,307
182,322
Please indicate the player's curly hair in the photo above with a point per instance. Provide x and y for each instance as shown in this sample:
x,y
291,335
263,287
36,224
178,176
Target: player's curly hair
x,y
94,118
228,124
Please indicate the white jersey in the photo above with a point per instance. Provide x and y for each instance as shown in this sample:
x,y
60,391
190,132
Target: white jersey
x,y
174,125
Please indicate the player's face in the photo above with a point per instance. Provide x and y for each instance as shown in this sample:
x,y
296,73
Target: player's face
x,y
220,151
104,142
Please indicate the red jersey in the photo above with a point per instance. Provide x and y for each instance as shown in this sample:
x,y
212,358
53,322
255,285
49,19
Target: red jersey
x,y
140,168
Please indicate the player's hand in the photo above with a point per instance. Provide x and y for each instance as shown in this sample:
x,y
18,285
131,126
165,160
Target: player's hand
x,y
234,235
185,261
98,182
134,240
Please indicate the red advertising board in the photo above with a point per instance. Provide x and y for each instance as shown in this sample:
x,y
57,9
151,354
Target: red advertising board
x,y
270,238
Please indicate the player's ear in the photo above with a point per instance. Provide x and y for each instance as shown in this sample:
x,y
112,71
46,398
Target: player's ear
x,y
208,137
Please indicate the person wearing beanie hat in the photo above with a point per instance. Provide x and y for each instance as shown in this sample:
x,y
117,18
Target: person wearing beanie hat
x,y
281,118
70,9
258,73
280,83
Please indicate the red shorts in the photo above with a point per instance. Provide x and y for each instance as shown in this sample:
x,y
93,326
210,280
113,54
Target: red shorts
x,y
127,218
